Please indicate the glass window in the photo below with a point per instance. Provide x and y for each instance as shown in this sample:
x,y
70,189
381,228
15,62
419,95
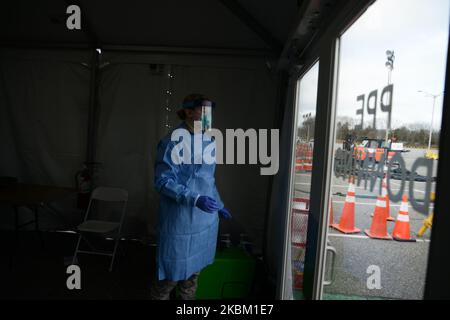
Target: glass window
x,y
306,114
387,126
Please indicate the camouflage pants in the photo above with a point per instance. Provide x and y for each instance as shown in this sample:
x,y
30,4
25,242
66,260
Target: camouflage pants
x,y
161,289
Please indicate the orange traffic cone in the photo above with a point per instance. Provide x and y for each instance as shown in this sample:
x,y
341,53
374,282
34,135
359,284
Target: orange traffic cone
x,y
384,193
378,229
401,227
298,165
347,222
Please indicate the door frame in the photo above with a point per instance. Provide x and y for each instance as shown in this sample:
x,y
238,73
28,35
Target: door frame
x,y
437,280
326,50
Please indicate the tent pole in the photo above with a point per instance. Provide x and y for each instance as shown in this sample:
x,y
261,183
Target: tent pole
x,y
144,49
93,113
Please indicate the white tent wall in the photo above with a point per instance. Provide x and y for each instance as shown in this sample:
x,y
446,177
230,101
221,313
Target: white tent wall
x,y
44,110
133,116
245,99
43,119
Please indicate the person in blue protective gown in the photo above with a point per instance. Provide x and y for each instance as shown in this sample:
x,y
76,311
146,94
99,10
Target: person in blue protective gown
x,y
189,207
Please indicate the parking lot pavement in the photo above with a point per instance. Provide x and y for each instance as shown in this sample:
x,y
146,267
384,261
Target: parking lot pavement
x,y
402,265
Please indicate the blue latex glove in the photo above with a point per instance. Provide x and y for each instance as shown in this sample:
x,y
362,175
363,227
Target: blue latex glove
x,y
207,204
224,213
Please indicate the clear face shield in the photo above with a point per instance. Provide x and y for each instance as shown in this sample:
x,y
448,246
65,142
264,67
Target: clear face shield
x,y
205,112
206,118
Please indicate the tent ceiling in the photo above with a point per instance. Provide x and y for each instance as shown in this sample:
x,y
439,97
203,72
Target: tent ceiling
x,y
231,24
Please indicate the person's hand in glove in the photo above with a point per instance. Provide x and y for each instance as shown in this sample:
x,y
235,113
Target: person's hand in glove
x,y
224,213
207,204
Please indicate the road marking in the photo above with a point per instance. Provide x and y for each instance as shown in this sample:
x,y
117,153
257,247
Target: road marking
x,y
365,203
355,236
336,185
362,188
366,189
373,203
346,186
399,184
360,236
304,174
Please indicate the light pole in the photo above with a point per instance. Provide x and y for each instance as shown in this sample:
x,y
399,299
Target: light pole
x,y
390,65
306,117
434,96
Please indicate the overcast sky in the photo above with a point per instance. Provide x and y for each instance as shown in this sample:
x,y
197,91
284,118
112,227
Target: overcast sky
x,y
417,31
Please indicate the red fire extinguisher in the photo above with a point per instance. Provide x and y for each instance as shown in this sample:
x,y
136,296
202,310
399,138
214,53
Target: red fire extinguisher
x,y
83,180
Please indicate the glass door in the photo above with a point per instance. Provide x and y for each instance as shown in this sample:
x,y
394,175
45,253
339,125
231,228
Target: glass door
x,y
306,101
389,103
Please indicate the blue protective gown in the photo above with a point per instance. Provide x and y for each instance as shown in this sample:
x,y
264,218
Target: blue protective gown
x,y
187,235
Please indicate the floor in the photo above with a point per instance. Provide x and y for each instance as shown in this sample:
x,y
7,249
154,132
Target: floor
x,y
35,269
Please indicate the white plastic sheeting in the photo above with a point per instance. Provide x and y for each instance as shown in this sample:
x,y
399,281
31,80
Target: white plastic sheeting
x,y
133,118
43,116
43,119
44,107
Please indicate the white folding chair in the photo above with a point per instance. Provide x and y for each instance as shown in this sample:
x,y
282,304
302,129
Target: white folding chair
x,y
101,227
